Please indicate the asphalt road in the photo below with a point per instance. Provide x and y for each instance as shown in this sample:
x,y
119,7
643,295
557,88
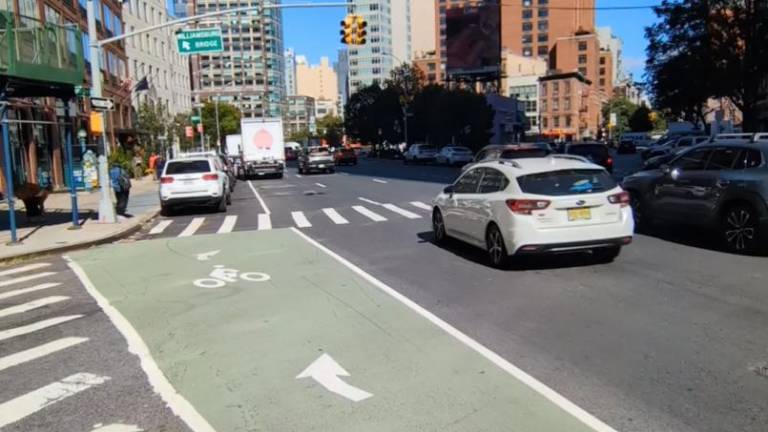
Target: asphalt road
x,y
669,337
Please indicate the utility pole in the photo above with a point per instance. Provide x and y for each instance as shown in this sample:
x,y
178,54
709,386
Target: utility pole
x,y
106,209
218,125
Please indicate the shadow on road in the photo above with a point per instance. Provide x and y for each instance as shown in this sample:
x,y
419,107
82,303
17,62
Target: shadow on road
x,y
691,236
396,170
51,217
522,263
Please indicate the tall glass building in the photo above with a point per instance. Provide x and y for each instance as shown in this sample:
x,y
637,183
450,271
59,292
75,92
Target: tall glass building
x,y
250,72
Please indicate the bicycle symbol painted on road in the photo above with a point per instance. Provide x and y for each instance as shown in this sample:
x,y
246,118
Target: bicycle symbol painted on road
x,y
220,276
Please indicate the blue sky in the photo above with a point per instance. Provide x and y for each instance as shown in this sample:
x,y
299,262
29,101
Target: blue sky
x,y
315,32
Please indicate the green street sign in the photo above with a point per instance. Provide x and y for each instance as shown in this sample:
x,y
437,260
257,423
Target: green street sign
x,y
199,41
195,119
82,91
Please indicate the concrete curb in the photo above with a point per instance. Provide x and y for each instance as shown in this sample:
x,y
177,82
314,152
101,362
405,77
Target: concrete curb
x,y
122,233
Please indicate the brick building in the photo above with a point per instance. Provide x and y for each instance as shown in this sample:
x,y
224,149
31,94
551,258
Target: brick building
x,y
570,108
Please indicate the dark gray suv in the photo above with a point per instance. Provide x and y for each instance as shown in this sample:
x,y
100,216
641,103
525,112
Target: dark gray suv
x,y
717,185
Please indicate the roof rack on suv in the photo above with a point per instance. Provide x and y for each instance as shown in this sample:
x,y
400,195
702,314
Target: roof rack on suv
x,y
569,157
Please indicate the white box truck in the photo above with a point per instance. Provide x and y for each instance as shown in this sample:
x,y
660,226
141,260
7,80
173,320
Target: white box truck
x,y
234,144
262,146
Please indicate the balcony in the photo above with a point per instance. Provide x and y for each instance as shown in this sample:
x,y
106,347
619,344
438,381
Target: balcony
x,y
33,50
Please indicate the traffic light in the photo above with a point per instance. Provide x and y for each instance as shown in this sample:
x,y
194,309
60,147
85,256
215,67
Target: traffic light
x,y
360,25
347,36
353,30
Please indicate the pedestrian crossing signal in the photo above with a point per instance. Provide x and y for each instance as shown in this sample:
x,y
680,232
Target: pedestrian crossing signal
x,y
353,30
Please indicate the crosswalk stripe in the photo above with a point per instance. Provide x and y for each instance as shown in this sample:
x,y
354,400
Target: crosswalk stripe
x,y
26,307
159,228
39,351
369,214
228,225
401,211
192,228
32,402
31,328
380,181
117,427
369,201
23,291
265,223
321,185
26,278
300,220
23,269
421,205
335,216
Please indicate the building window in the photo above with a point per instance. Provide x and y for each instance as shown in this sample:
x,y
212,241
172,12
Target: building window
x,y
582,59
542,26
583,71
544,105
527,3
555,88
527,26
543,89
542,37
582,46
602,82
527,52
555,104
602,71
567,87
527,38
602,60
567,121
527,13
543,50
556,121
543,12
543,2
567,104
544,122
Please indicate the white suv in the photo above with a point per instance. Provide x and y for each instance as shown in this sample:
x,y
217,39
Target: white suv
x,y
194,181
420,153
539,205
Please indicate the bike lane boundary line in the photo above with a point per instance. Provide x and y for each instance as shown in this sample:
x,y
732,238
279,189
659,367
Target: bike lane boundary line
x,y
136,345
536,385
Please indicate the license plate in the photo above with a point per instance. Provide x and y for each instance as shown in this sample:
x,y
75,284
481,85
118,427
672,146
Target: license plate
x,y
322,165
579,214
189,182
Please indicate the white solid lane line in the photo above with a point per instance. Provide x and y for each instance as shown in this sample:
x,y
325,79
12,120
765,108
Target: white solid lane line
x,y
160,227
31,328
401,211
300,220
26,278
369,214
39,351
537,386
26,307
380,181
32,402
228,225
265,223
192,228
321,185
258,197
23,269
421,205
116,427
298,176
22,291
369,201
335,216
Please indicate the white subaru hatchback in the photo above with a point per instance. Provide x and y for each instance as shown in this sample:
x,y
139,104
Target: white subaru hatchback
x,y
553,204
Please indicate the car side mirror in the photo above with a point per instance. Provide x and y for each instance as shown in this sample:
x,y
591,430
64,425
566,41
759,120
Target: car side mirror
x,y
449,190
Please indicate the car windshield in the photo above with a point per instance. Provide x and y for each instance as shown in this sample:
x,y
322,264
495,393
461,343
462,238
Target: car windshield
x,y
523,153
566,182
187,167
594,150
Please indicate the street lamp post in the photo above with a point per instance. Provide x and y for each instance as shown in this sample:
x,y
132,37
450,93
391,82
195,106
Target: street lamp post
x,y
106,209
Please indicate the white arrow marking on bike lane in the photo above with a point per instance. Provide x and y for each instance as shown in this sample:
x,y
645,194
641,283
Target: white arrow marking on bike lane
x,y
206,256
326,372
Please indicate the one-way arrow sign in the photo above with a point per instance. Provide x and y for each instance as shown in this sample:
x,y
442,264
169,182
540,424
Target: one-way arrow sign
x,y
326,372
102,104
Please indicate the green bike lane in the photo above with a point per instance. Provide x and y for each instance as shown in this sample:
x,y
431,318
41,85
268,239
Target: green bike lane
x,y
309,343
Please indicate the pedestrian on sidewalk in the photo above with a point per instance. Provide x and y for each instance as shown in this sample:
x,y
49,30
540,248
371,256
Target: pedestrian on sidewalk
x,y
159,166
138,172
121,184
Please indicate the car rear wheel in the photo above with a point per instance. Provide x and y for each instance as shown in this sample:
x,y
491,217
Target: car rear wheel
x,y
229,198
165,210
606,255
740,229
438,226
639,213
222,207
497,251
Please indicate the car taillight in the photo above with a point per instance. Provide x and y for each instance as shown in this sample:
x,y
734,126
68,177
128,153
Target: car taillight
x,y
525,207
166,180
609,161
210,177
619,198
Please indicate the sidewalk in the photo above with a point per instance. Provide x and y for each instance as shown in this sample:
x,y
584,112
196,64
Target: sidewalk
x,y
53,233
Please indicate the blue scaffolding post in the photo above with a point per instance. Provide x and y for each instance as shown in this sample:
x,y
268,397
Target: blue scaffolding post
x,y
8,168
70,166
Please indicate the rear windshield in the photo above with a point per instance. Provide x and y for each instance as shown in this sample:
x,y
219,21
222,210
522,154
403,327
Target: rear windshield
x,y
318,151
187,167
566,182
596,151
524,153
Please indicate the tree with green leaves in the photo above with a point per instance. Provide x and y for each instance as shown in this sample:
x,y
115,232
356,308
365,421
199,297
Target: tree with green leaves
x,y
177,130
701,49
151,121
229,120
373,115
623,108
640,120
300,136
331,129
